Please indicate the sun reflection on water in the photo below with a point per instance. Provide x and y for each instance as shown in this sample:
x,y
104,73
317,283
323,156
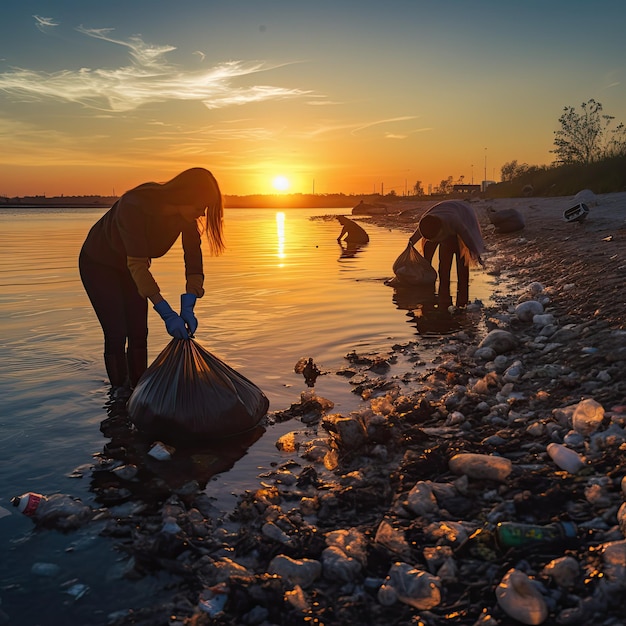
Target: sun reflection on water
x,y
280,232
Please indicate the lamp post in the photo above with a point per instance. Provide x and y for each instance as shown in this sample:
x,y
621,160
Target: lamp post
x,y
485,163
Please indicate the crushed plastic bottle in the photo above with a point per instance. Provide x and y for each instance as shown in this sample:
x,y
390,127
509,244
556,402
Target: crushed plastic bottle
x,y
587,416
58,510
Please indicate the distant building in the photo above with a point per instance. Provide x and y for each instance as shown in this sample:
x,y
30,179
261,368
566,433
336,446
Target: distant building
x,y
486,184
466,189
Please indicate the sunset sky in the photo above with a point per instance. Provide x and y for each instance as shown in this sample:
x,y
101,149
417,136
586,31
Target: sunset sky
x,y
352,96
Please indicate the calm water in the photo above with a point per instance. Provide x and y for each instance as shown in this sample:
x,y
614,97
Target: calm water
x,y
282,291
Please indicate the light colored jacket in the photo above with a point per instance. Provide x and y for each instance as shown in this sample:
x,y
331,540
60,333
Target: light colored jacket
x,y
458,218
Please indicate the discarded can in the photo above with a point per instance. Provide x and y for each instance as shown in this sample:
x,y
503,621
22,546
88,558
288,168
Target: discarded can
x,y
514,535
28,503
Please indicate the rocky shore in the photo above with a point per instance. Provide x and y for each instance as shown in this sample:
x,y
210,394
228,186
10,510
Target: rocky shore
x,y
390,515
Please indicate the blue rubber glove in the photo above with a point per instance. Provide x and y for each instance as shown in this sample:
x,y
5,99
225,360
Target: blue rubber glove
x,y
173,322
187,302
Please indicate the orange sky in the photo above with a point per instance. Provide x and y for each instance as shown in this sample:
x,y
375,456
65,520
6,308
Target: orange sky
x,y
355,97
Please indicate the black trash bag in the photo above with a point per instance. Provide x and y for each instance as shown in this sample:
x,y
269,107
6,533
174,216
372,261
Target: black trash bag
x,y
412,269
189,393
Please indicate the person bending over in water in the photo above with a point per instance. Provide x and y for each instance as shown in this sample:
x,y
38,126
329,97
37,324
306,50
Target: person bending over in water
x,y
115,259
352,231
452,226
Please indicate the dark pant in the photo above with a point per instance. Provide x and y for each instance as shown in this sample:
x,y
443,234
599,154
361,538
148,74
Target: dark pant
x,y
449,248
123,315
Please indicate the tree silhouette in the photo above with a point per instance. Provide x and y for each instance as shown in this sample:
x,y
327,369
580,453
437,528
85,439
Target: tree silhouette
x,y
587,136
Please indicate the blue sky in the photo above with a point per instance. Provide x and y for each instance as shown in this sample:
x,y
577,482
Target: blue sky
x,y
352,96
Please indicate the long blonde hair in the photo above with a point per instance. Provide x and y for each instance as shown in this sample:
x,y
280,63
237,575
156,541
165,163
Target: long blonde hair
x,y
193,185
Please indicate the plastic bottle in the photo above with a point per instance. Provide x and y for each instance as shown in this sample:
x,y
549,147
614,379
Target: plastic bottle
x,y
28,503
514,535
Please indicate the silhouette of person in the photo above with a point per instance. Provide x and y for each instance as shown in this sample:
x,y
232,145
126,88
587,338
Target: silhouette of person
x,y
451,226
115,260
352,232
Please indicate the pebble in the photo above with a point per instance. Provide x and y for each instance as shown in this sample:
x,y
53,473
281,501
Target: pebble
x,y
481,466
520,599
567,459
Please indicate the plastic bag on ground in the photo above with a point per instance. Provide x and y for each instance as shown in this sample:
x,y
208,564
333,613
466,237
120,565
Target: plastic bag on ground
x,y
189,393
412,269
506,220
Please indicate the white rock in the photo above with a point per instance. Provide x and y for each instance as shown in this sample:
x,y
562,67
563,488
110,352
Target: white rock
x,y
271,531
393,539
414,587
567,459
351,542
481,466
301,572
520,599
525,311
564,571
485,354
587,196
614,558
514,372
351,432
421,500
545,319
500,341
337,566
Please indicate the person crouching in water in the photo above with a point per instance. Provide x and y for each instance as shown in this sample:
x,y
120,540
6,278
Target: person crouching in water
x,y
352,231
452,226
115,259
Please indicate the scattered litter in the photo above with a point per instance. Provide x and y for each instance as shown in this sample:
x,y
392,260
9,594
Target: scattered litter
x,y
77,590
161,451
576,213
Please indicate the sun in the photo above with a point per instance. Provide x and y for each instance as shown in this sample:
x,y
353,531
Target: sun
x,y
280,183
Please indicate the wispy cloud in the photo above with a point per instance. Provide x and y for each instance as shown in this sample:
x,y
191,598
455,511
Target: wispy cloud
x,y
356,127
383,121
149,78
44,23
407,134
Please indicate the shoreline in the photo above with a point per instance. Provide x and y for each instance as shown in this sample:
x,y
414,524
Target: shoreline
x,y
351,495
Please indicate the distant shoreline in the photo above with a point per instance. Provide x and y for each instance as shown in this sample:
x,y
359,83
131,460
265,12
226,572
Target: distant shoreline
x,y
49,205
298,201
